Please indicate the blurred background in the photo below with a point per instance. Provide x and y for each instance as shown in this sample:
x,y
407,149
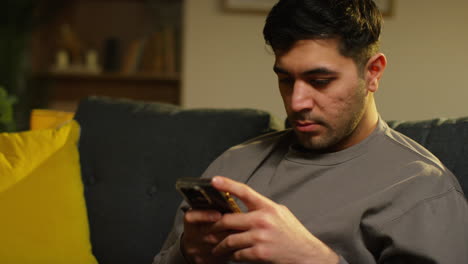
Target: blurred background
x,y
208,53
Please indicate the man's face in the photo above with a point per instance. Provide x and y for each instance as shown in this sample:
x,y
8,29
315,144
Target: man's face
x,y
323,94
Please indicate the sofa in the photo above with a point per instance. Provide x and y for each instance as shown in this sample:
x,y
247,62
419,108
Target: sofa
x,y
132,152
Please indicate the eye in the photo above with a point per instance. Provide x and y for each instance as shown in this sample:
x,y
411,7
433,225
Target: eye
x,y
321,83
286,80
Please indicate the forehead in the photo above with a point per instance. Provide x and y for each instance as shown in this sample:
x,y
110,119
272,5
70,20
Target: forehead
x,y
313,53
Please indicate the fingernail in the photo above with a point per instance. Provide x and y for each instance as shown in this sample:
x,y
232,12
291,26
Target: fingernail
x,y
217,180
215,216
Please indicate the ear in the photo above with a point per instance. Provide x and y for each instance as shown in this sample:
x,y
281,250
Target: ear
x,y
374,71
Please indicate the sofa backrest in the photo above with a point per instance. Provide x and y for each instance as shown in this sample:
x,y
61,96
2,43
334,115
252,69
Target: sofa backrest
x,y
445,138
131,154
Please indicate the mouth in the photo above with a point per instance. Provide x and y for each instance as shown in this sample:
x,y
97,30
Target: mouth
x,y
306,126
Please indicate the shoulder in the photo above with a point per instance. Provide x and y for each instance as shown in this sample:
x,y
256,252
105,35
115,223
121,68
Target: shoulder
x,y
417,186
407,171
243,158
410,158
257,148
263,141
403,143
410,175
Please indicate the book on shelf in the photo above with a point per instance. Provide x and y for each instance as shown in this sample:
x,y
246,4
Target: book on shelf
x,y
169,37
132,56
155,54
150,61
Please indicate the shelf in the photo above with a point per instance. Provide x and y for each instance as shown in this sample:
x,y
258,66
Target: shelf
x,y
142,37
103,77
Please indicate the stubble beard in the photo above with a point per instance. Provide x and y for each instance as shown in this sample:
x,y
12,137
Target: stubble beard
x,y
334,136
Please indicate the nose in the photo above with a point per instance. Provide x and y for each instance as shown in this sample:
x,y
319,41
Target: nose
x,y
301,97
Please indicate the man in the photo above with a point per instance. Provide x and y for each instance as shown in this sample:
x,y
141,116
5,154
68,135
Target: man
x,y
341,186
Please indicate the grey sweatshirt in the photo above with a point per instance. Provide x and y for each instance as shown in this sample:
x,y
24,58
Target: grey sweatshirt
x,y
384,200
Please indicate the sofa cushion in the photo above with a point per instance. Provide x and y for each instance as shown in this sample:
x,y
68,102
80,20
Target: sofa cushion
x,y
43,215
445,138
131,154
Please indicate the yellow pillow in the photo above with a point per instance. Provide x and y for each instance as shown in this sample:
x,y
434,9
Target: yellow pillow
x,y
43,215
47,118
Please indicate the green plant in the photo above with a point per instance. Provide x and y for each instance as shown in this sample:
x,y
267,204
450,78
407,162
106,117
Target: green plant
x,y
16,25
15,28
7,122
19,19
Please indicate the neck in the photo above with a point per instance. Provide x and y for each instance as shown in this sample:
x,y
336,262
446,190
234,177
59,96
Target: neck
x,y
364,128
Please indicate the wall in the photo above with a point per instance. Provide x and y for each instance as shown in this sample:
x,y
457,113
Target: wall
x,y
426,43
226,64
225,61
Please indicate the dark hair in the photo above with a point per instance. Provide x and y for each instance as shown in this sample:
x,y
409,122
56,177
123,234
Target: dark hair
x,y
355,23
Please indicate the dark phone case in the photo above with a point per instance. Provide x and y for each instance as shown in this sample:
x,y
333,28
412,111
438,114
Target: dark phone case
x,y
199,193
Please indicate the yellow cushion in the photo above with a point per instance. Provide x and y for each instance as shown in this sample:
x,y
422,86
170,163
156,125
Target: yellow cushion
x,y
42,207
46,118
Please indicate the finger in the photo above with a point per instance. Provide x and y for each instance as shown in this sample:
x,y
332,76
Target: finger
x,y
215,238
233,243
202,216
247,195
252,255
234,222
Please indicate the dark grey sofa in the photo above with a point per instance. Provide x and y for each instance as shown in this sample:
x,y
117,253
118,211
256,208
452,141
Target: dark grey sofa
x,y
132,152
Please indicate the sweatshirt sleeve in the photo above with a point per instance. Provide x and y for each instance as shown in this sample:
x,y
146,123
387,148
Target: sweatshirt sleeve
x,y
170,252
433,231
342,260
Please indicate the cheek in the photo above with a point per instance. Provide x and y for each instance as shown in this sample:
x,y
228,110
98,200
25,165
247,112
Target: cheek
x,y
342,101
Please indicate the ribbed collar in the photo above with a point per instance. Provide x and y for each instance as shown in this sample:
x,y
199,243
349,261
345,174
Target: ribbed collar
x,y
296,154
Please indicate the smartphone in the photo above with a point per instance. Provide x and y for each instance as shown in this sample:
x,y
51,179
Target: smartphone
x,y
200,194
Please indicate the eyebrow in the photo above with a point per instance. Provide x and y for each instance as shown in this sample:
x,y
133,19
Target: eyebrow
x,y
316,71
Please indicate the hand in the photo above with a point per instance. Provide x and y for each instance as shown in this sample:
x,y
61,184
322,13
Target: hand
x,y
268,233
198,240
